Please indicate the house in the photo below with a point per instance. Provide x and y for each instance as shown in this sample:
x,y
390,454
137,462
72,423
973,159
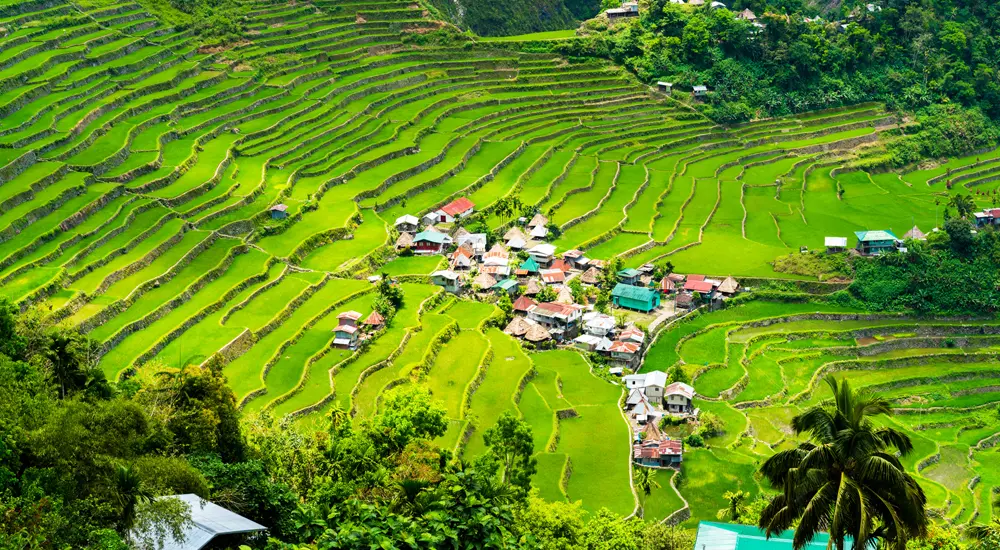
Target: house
x,y
598,324
447,279
587,342
279,211
685,301
703,287
484,282
632,334
625,354
532,287
915,234
508,286
538,232
989,216
628,9
461,259
498,271
529,266
575,259
565,296
458,208
591,277
635,297
552,276
518,326
665,87
561,320
746,15
374,321
651,384
496,256
542,253
537,220
873,243
514,233
629,276
475,241
667,286
407,223
677,398
729,287
404,241
731,536
430,241
522,305
537,333
209,525
700,91
561,265
345,336
677,278
660,454
835,244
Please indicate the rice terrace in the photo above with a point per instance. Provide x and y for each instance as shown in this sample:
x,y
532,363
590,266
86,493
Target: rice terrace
x,y
182,204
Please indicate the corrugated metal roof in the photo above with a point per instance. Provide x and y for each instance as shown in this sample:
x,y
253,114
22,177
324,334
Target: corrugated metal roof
x,y
208,520
633,292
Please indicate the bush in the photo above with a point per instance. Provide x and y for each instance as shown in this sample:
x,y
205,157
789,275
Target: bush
x,y
694,440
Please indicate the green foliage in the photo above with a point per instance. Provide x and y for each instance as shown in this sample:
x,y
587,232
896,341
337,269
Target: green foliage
x,y
694,440
487,18
849,473
547,294
958,275
510,446
816,264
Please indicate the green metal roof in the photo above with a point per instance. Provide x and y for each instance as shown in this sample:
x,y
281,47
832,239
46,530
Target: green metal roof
x,y
878,235
432,236
629,272
730,536
623,290
530,264
506,284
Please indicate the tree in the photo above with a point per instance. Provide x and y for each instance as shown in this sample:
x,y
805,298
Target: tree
x,y
644,483
547,294
737,507
511,443
506,308
963,204
846,478
960,236
11,343
407,413
129,494
985,535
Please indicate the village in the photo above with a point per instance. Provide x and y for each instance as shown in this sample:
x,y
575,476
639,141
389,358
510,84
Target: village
x,y
564,299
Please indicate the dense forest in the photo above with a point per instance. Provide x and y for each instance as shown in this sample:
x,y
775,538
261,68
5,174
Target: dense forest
x,y
82,460
937,59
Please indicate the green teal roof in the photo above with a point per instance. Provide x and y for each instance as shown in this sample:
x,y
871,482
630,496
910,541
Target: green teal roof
x,y
633,292
629,272
879,235
731,536
506,284
432,236
530,264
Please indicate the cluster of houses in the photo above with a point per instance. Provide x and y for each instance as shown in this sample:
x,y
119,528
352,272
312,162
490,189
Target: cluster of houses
x,y
878,242
651,397
349,332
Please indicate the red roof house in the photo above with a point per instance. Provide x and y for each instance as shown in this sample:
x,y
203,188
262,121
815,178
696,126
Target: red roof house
x,y
698,286
374,320
667,452
523,303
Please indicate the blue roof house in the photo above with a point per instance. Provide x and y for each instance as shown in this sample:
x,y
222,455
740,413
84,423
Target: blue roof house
x,y
732,536
638,298
872,243
629,276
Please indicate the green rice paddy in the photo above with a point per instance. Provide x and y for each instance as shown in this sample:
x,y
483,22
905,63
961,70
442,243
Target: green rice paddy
x,y
137,177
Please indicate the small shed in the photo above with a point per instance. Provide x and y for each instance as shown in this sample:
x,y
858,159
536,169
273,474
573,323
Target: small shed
x,y
915,234
700,91
591,277
374,321
279,211
835,244
484,281
635,297
407,222
665,87
447,279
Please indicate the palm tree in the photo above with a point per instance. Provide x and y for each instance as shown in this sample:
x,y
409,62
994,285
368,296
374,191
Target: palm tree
x,y
737,506
963,204
846,478
986,535
337,416
644,485
129,494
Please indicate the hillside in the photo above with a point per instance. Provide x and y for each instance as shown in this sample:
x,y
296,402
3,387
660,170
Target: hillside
x,y
487,18
184,201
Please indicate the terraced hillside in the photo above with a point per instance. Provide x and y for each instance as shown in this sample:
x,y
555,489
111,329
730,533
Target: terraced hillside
x,y
758,365
137,171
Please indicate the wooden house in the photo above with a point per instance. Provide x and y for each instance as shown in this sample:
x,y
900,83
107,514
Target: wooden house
x,y
635,297
279,211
